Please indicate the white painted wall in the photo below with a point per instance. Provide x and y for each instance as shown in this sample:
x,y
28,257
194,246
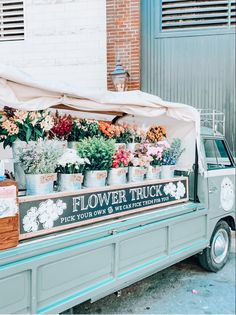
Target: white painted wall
x,y
64,40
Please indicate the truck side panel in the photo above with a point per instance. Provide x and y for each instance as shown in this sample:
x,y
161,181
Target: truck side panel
x,y
62,278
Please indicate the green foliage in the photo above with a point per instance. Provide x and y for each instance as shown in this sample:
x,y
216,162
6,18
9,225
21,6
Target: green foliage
x,y
171,155
70,168
84,128
98,151
125,137
40,157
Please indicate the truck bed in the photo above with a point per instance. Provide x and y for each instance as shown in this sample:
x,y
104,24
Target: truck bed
x,y
53,273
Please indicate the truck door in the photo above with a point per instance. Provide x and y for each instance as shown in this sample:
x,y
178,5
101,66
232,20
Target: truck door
x,y
220,175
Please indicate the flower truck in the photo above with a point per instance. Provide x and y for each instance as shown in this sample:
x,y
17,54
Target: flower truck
x,y
100,190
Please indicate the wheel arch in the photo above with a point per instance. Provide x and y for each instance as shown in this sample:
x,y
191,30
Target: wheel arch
x,y
230,220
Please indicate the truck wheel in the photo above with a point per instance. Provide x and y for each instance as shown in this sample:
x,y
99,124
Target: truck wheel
x,y
214,257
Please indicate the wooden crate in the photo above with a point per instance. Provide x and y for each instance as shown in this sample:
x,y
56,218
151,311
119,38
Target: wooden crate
x,y
9,226
9,232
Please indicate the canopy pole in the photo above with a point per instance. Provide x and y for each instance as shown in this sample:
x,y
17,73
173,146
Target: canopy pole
x,y
195,193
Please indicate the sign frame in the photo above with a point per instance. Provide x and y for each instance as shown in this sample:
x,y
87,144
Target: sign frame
x,y
30,199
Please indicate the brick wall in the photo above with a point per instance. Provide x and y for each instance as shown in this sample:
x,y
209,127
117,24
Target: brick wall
x,y
64,40
123,39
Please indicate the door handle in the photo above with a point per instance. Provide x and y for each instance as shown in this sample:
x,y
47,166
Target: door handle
x,y
212,190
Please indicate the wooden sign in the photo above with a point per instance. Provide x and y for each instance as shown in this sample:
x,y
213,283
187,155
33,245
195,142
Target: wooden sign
x,y
59,211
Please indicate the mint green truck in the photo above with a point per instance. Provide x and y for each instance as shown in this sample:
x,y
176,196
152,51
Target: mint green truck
x,y
52,273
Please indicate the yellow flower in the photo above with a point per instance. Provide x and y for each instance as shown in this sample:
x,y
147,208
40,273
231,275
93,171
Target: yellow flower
x,y
11,127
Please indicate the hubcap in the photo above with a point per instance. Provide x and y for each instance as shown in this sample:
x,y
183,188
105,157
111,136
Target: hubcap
x,y
220,244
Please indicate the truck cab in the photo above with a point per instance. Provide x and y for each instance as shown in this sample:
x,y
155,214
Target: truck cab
x,y
216,190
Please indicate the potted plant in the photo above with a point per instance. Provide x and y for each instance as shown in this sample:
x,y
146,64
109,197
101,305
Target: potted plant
x,y
81,129
134,135
120,162
39,160
154,169
62,127
18,127
70,168
25,126
99,152
170,157
139,162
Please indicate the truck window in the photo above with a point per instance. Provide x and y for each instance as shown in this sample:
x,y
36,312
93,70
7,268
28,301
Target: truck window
x,y
217,156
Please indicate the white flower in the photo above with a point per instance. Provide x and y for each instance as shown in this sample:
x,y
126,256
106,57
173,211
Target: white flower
x,y
71,157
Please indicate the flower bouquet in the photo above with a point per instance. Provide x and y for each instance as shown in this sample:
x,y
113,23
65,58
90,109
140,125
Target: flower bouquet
x,y
99,152
115,132
139,162
81,129
134,136
62,126
70,168
25,126
154,169
18,127
170,157
39,160
120,163
156,133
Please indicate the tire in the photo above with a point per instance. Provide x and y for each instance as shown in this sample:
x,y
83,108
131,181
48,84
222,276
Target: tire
x,y
214,257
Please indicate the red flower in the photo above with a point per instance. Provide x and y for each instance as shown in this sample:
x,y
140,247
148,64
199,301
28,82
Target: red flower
x,y
62,126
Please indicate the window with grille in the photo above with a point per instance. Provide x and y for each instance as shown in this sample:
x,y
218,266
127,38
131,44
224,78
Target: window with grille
x,y
11,20
200,14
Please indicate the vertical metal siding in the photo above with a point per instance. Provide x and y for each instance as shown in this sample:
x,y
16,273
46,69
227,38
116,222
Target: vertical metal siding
x,y
195,70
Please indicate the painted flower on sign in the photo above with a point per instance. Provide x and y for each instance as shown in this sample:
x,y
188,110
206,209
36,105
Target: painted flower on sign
x,y
177,191
46,214
30,222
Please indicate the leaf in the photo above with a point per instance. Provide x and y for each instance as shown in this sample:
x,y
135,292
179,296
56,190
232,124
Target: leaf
x,y
28,134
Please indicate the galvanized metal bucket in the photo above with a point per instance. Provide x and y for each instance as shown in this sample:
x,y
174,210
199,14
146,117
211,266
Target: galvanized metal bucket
x,y
117,176
136,174
40,184
153,172
18,170
167,171
70,182
94,179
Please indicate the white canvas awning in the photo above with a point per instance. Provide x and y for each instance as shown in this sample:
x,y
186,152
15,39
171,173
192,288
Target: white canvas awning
x,y
21,91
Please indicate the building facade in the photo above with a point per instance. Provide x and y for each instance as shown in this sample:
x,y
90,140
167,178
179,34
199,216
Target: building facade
x,y
182,51
56,39
188,55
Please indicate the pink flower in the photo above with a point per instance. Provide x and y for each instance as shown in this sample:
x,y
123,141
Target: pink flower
x,y
164,144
